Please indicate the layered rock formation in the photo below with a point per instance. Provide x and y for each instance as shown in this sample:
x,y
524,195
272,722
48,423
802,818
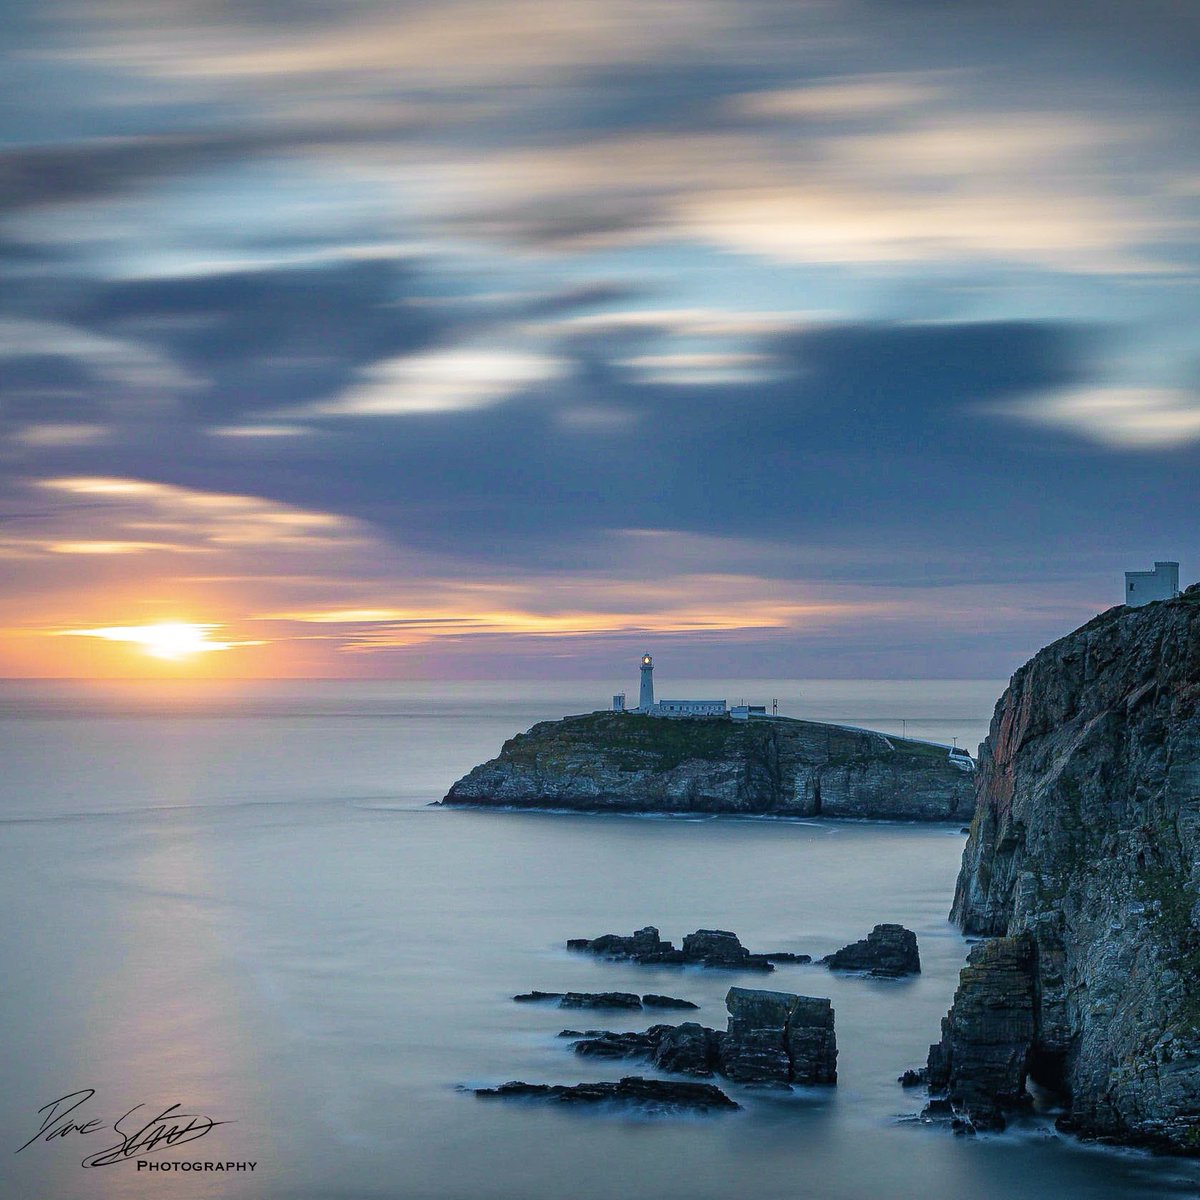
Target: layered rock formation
x,y
982,1060
888,951
772,1037
1084,858
628,762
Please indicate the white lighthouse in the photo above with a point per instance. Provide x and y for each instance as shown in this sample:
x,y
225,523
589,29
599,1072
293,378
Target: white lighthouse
x,y
646,695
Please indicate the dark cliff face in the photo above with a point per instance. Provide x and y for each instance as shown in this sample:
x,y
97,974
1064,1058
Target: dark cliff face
x,y
1085,840
633,763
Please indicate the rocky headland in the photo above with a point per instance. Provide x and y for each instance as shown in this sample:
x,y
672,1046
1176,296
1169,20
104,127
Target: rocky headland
x,y
1082,869
629,762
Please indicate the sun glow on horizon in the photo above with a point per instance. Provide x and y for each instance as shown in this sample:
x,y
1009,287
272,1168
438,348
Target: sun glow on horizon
x,y
171,641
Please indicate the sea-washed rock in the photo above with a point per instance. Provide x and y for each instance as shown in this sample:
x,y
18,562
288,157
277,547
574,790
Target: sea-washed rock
x,y
652,1094
982,1061
777,1036
687,1049
628,1000
720,948
888,951
772,1037
1082,859
603,1043
600,1000
706,947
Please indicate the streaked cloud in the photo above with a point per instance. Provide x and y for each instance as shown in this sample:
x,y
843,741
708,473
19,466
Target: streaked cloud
x,y
445,381
800,331
53,434
865,96
198,521
1122,418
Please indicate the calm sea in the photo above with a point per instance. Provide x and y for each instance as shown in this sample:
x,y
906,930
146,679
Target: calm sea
x,y
235,898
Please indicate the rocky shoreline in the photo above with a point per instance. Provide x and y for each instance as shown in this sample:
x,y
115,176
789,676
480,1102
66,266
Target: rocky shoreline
x,y
1082,869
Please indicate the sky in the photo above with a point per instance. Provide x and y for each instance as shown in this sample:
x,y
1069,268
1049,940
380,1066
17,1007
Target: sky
x,y
502,339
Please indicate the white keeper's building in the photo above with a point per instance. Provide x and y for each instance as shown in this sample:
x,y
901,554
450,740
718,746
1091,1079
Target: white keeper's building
x,y
681,708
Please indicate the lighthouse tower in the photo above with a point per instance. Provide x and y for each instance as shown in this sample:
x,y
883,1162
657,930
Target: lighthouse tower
x,y
646,695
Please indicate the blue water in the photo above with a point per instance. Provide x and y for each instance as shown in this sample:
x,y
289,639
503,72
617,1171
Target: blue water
x,y
234,897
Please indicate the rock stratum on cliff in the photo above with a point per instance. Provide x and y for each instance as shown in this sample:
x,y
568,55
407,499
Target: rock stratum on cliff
x,y
1083,865
628,762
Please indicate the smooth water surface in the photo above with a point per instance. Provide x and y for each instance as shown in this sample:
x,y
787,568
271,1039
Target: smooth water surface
x,y
235,897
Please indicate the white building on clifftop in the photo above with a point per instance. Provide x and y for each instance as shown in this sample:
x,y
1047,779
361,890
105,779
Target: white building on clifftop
x,y
1144,587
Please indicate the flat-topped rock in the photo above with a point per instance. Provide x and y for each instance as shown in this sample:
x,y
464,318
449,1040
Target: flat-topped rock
x,y
627,1000
888,951
651,1094
780,1037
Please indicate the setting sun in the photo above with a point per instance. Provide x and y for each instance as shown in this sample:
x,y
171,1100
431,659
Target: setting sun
x,y
170,640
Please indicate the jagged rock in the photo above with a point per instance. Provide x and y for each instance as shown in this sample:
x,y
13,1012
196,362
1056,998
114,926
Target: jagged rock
x,y
601,1043
705,947
720,948
687,1049
887,951
1084,849
534,997
654,1094
644,946
652,1000
981,1062
772,1038
629,762
913,1078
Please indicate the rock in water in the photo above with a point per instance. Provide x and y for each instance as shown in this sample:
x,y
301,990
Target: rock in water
x,y
778,1037
630,762
1083,858
705,947
888,951
653,1094
651,1000
601,1043
773,1037
720,948
600,1000
687,1049
644,946
981,1061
